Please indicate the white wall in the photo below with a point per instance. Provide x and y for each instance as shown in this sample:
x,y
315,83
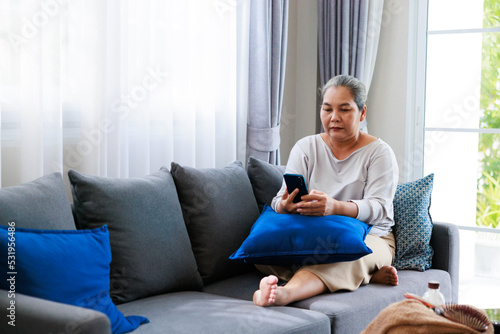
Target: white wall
x,y
386,103
299,98
386,99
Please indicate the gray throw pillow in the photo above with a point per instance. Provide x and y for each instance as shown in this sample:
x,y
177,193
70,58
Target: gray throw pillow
x,y
40,204
219,209
150,248
266,180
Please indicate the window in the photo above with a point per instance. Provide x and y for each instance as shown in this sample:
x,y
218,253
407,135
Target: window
x,y
461,131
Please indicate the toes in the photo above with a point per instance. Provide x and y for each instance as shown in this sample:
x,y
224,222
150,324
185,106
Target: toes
x,y
271,280
272,298
386,275
394,280
268,282
266,295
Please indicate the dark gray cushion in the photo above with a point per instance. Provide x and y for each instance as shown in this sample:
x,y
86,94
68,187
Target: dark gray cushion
x,y
150,247
266,180
40,204
219,209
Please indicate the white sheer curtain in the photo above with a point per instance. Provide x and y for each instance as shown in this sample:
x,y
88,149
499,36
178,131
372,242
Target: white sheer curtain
x,y
116,87
375,18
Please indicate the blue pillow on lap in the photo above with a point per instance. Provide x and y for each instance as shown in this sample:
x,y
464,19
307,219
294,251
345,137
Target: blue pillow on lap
x,y
284,239
65,266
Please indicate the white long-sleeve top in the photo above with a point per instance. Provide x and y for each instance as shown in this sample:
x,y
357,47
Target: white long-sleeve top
x,y
367,177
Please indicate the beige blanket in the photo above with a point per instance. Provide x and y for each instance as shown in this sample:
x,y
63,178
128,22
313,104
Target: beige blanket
x,y
410,316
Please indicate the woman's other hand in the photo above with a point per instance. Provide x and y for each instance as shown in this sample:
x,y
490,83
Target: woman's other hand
x,y
317,203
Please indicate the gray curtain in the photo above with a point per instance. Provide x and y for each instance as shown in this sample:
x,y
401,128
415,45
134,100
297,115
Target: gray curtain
x,y
266,77
348,34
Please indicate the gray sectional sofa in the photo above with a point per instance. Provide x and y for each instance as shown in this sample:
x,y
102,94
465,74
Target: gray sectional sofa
x,y
171,234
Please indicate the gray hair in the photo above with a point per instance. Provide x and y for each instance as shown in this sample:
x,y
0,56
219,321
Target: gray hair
x,y
357,88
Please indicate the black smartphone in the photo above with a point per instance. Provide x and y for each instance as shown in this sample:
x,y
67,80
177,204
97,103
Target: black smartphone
x,y
294,181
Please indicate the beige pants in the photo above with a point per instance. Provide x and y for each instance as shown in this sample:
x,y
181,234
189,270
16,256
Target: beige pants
x,y
346,275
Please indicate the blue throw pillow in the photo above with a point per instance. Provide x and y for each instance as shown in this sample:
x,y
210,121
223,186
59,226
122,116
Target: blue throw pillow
x,y
281,239
413,224
65,266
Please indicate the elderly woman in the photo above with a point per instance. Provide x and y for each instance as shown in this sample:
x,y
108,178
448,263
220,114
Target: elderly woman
x,y
351,173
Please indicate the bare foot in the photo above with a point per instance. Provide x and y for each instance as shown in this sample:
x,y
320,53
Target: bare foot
x,y
385,275
266,295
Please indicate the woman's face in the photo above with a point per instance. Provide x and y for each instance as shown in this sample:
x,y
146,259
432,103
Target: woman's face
x,y
340,115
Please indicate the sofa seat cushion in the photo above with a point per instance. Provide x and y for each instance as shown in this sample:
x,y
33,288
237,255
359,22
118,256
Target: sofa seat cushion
x,y
219,209
241,286
349,312
344,308
41,204
151,252
198,312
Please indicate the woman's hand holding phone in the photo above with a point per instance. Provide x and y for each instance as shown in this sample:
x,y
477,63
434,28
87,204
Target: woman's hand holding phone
x,y
296,181
295,188
287,204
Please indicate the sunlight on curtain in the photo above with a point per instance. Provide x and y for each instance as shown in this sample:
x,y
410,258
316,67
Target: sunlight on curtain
x,y
116,88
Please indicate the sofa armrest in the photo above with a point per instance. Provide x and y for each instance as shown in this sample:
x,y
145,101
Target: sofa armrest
x,y
445,241
35,315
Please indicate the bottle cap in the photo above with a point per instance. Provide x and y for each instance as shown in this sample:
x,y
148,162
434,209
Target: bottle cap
x,y
433,285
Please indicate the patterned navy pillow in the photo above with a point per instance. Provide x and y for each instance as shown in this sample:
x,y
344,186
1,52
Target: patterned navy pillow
x,y
413,224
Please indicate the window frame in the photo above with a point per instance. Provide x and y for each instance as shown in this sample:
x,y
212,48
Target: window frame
x,y
416,87
416,74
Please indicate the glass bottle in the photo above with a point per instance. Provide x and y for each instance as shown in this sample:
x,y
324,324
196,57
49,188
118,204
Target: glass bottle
x,y
433,295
